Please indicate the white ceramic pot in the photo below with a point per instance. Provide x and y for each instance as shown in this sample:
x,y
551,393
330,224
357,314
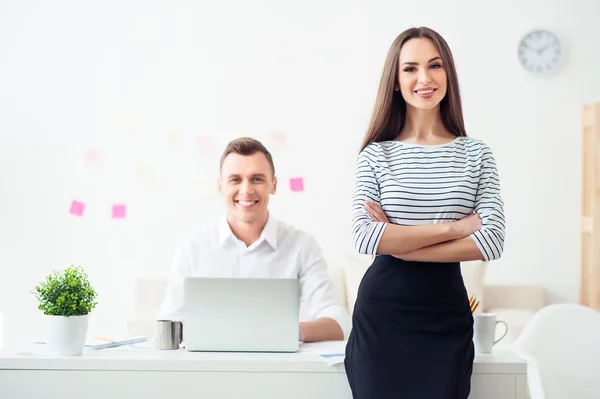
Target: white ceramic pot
x,y
66,335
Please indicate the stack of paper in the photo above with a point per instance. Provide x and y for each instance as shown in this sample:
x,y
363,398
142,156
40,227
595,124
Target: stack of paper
x,y
96,342
332,352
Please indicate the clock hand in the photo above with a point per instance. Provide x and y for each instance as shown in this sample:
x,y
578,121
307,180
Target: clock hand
x,y
540,51
529,48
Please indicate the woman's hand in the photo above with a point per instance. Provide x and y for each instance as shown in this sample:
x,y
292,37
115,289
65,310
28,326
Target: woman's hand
x,y
468,225
375,211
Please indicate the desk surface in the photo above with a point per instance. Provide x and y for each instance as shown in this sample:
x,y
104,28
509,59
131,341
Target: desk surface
x,y
147,359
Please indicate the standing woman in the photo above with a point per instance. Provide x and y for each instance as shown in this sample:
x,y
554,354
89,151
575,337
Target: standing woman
x,y
426,198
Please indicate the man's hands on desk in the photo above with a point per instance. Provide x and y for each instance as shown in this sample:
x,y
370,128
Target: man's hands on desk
x,y
323,329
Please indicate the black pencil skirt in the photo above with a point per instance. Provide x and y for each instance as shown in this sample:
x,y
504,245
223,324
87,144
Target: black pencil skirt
x,y
412,333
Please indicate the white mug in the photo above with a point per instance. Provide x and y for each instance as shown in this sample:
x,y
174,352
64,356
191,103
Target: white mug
x,y
484,332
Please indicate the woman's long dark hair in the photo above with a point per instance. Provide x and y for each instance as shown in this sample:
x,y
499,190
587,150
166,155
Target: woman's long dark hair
x,y
389,113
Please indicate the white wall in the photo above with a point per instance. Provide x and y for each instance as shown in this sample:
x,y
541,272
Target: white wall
x,y
139,81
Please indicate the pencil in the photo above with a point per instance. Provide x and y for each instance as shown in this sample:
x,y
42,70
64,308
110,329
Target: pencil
x,y
102,339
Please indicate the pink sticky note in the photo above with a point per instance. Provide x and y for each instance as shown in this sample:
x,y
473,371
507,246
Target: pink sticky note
x,y
118,211
205,145
278,140
93,157
297,184
77,208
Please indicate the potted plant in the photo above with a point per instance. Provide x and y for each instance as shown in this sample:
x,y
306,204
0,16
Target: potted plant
x,y
66,298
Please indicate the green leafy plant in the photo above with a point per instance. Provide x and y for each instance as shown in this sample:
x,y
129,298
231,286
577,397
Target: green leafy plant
x,y
66,293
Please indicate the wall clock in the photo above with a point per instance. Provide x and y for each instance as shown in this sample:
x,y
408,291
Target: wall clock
x,y
541,52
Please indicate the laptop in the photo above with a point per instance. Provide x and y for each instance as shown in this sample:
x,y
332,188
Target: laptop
x,y
241,314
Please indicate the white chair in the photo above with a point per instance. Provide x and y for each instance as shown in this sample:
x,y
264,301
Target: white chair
x,y
561,345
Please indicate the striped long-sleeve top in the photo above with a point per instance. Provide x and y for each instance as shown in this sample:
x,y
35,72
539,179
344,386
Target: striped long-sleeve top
x,y
419,184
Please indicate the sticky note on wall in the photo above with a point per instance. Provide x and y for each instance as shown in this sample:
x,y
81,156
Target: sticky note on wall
x,y
118,211
205,145
173,139
277,140
129,125
93,157
144,174
297,184
77,208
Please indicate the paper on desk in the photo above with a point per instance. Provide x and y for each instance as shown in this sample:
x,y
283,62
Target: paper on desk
x,y
144,345
333,359
103,343
332,352
95,343
323,348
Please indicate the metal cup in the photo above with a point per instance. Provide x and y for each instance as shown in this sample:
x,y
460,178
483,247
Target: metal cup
x,y
168,334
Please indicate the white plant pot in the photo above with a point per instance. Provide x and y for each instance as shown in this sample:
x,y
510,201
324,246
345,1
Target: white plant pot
x,y
66,335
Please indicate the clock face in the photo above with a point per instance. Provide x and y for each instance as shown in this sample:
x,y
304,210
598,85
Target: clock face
x,y
540,52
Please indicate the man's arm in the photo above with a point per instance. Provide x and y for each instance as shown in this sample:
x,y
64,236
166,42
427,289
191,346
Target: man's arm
x,y
172,305
322,329
329,320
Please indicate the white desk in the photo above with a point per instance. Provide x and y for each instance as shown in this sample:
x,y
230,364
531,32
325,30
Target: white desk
x,y
179,374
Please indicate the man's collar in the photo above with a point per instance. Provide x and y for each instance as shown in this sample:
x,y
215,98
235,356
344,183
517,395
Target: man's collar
x,y
225,232
269,233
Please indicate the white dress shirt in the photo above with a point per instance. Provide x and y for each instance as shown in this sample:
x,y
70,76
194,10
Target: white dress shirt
x,y
281,251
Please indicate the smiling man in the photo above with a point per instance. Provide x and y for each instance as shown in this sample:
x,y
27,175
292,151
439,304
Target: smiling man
x,y
248,242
